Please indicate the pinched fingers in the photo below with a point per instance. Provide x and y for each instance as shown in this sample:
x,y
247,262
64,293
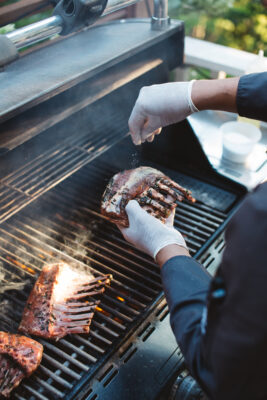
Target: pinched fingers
x,y
151,127
136,123
152,136
143,127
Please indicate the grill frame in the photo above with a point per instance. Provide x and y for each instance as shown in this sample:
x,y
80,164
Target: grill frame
x,y
169,48
91,384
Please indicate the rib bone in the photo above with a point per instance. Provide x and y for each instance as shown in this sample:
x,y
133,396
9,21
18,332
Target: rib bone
x,y
150,187
52,310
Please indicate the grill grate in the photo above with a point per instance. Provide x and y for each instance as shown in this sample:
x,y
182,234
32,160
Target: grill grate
x,y
65,224
45,171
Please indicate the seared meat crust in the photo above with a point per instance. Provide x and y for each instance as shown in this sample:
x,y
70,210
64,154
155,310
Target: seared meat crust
x,y
156,192
19,357
54,307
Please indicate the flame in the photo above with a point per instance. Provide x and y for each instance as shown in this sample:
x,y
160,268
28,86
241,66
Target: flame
x,y
19,264
118,320
69,282
103,311
120,298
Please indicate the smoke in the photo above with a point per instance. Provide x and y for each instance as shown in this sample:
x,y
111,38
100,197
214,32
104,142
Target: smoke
x,y
10,281
77,247
77,244
67,239
10,310
12,286
9,316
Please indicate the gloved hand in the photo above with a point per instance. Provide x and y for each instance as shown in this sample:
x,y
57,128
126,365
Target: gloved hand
x,y
158,106
147,233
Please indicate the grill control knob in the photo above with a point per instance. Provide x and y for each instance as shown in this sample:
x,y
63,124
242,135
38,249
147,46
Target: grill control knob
x,y
186,388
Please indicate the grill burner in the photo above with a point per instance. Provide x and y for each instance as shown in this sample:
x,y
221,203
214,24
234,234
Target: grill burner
x,y
65,225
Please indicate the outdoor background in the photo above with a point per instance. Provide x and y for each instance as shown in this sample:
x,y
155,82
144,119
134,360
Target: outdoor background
x,y
241,23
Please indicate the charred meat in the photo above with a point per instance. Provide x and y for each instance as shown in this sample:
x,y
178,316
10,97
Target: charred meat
x,y
19,357
60,302
154,191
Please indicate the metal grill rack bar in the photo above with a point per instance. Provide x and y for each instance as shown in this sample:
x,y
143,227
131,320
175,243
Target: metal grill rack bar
x,y
39,175
70,228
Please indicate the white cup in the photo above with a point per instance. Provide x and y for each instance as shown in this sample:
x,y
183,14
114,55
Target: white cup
x,y
239,138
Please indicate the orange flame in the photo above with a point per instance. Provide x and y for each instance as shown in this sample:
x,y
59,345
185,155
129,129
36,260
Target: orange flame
x,y
19,264
103,311
117,320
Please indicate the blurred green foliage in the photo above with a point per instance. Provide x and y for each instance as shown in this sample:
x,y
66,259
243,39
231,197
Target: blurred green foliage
x,y
33,18
242,26
25,21
36,15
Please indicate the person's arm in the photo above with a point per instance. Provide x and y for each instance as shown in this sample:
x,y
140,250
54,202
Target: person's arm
x,y
161,105
186,286
220,324
252,96
246,95
215,94
221,347
170,251
185,282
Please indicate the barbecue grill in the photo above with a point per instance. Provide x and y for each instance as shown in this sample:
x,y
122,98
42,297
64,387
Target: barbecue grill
x,y
64,112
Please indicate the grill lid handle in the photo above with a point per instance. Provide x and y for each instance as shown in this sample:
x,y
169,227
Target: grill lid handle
x,y
70,15
78,13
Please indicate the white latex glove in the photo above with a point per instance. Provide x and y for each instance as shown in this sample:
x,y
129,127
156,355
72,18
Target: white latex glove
x,y
158,106
147,233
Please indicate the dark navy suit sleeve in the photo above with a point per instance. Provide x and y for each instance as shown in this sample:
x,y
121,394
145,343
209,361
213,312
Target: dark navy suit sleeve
x,y
186,284
229,357
252,96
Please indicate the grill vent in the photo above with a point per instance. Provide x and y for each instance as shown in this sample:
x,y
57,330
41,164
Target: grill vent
x,y
211,259
150,331
129,355
93,397
106,373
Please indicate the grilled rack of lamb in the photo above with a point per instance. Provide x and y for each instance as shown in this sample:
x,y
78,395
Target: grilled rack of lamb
x,y
153,190
19,357
58,303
